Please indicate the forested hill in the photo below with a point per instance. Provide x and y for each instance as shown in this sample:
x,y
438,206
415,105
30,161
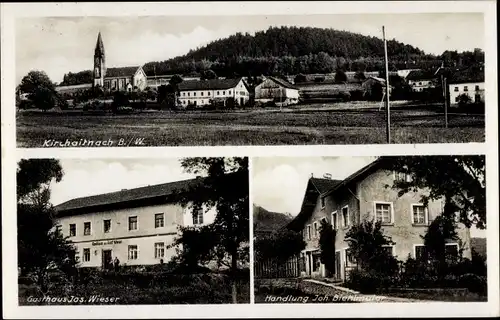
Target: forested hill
x,y
267,221
290,50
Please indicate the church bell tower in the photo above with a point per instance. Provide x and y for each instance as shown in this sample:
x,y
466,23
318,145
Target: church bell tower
x,y
99,62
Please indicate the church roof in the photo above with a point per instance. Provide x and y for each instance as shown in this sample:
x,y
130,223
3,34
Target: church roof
x,y
212,84
99,46
121,72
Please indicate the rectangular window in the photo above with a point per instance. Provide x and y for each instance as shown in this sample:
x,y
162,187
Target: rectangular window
x,y
345,216
323,202
419,214
132,223
316,229
223,93
419,251
189,94
334,220
198,217
202,93
132,252
183,94
383,212
218,93
208,93
401,177
194,94
466,88
86,229
309,232
456,89
72,230
107,226
451,250
159,220
159,250
86,254
349,257
477,88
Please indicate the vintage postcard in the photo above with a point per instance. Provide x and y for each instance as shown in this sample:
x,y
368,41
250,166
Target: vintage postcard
x,y
249,159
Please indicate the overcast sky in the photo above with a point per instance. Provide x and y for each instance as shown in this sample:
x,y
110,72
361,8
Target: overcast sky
x,y
279,183
59,45
95,176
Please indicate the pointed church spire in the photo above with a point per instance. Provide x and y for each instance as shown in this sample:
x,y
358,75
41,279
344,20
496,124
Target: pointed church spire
x,y
99,47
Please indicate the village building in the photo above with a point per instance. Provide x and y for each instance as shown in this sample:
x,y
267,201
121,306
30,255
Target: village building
x,y
204,92
278,90
403,73
364,196
420,80
136,226
470,82
369,85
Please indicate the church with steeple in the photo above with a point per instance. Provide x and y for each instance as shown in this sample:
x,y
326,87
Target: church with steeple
x,y
115,79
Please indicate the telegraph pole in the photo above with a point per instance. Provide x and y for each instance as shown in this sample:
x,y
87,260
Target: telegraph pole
x,y
445,104
387,107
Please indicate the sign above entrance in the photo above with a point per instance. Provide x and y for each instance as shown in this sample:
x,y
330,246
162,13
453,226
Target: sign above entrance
x,y
101,243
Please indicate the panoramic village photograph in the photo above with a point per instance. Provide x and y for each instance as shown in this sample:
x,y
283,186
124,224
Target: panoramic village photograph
x,y
250,80
159,231
369,229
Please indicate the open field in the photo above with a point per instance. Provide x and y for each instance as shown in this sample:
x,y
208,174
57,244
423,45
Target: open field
x,y
339,123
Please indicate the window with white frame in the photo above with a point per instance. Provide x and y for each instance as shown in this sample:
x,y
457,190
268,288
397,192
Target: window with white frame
x,y
334,220
72,230
349,257
419,251
87,229
133,252
383,212
466,88
323,202
316,229
159,250
132,223
107,225
456,89
401,177
198,216
419,214
159,220
345,216
308,233
86,254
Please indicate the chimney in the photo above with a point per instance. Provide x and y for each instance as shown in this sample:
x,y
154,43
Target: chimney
x,y
327,176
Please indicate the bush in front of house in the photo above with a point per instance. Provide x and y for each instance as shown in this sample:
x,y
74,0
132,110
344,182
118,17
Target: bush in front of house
x,y
474,283
357,95
368,281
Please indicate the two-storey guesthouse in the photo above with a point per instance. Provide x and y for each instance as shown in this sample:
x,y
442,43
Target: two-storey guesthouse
x,y
137,226
367,195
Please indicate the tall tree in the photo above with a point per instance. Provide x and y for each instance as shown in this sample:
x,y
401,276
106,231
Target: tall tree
x,y
460,180
42,249
40,89
224,188
327,246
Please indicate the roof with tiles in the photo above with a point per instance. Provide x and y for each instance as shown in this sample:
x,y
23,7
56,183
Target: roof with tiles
x,y
212,84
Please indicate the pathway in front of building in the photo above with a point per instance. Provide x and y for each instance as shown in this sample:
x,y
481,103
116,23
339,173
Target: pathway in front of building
x,y
351,295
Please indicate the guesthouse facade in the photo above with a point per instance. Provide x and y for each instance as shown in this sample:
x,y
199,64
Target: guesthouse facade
x,y
136,226
364,195
278,90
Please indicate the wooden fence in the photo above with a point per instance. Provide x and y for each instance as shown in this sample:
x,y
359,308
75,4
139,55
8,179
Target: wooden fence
x,y
278,269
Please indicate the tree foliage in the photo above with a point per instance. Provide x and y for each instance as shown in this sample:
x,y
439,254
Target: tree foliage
x,y
40,89
280,245
366,242
69,79
224,187
42,249
208,75
461,179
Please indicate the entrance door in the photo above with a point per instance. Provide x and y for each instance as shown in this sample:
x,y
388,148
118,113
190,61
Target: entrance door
x,y
106,259
242,102
477,98
338,265
309,262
